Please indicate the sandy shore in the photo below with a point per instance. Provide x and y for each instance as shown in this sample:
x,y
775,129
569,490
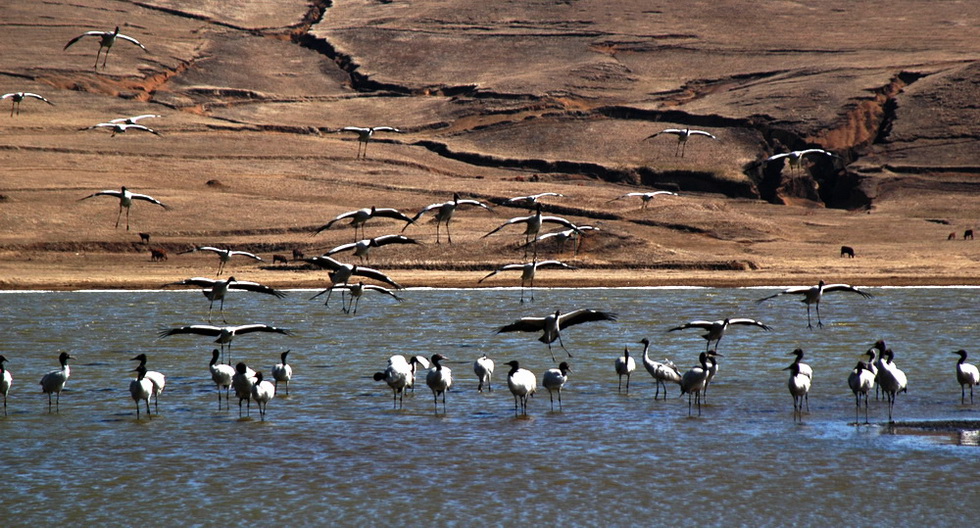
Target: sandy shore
x,y
108,276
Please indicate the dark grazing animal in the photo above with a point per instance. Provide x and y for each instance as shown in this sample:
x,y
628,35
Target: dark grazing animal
x,y
279,258
846,251
952,236
145,238
157,255
297,254
968,234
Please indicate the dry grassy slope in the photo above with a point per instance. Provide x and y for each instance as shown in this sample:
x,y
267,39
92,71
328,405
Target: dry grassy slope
x,y
495,100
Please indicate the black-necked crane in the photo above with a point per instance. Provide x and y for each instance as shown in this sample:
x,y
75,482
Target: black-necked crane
x,y
364,135
861,380
645,197
224,334
891,379
683,134
533,225
106,40
356,292
522,384
966,374
444,213
340,273
716,329
399,377
242,382
221,376
131,120
804,368
528,271
563,236
796,157
624,365
483,368
712,372
217,290
813,294
282,372
439,378
122,128
876,355
362,248
126,197
224,255
661,372
5,381
554,380
530,200
693,382
551,325
141,389
17,97
263,390
799,388
359,217
157,380
54,382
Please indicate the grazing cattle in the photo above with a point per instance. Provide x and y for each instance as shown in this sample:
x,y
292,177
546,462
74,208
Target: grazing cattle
x,y
846,251
145,238
968,234
279,258
952,236
298,255
157,255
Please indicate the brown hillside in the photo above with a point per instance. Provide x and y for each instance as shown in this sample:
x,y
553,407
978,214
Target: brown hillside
x,y
495,100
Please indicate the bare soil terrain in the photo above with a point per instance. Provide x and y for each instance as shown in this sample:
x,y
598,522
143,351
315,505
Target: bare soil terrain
x,y
494,100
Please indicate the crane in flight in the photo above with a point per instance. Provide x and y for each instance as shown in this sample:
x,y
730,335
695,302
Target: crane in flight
x,y
364,135
17,97
683,134
106,40
126,198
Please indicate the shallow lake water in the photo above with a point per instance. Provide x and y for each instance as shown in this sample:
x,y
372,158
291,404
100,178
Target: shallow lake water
x,y
335,452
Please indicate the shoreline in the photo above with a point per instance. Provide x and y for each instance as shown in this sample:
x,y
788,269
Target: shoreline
x,y
67,280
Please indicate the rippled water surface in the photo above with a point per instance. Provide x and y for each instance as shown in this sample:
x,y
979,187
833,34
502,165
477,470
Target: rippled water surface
x,y
335,452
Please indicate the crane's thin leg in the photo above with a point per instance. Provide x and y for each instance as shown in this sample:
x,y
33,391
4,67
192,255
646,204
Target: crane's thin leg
x,y
563,346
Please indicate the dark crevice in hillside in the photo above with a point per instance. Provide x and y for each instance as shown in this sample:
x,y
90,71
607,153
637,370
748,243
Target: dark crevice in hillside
x,y
824,179
699,181
192,16
359,82
890,104
674,116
